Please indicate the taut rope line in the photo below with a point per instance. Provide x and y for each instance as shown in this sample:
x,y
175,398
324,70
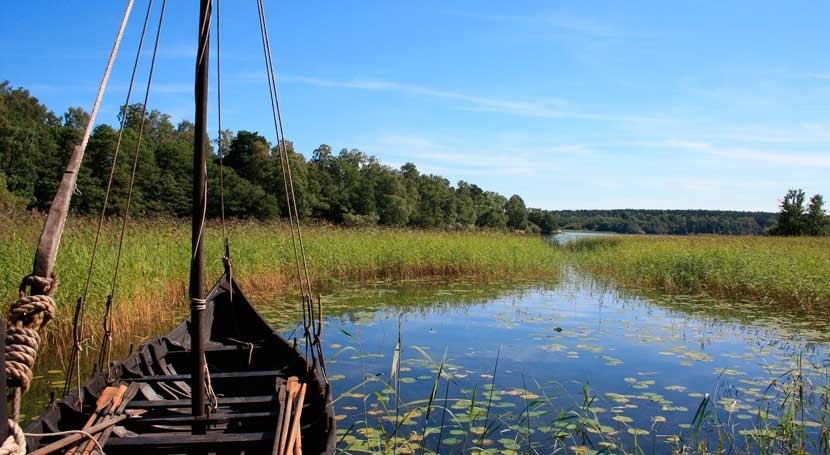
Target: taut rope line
x,y
108,320
77,329
312,323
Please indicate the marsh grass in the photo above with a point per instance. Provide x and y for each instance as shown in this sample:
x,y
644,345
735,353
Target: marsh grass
x,y
791,418
151,289
789,272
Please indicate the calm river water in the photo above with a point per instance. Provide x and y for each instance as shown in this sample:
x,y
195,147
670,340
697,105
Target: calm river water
x,y
568,364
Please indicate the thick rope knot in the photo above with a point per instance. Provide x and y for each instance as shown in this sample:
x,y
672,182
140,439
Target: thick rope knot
x,y
49,285
15,444
22,345
27,316
33,311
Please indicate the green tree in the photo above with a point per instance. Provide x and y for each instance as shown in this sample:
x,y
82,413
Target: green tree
x,y
242,198
544,219
490,210
28,151
791,218
816,219
436,203
250,156
465,203
7,199
516,213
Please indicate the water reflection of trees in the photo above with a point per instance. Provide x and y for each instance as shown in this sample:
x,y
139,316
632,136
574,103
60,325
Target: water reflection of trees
x,y
425,298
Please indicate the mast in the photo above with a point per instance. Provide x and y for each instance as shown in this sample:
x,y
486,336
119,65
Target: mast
x,y
197,261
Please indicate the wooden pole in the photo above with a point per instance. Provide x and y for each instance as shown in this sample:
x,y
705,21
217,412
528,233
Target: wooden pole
x,y
197,261
61,443
50,238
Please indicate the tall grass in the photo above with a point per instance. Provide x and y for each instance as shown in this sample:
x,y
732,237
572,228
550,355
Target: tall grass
x,y
793,272
152,283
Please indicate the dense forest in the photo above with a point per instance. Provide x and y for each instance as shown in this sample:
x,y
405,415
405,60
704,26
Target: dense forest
x,y
631,221
348,187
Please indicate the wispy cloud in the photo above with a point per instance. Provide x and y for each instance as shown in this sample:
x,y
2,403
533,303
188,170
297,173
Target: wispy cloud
x,y
468,158
809,133
439,155
818,76
559,20
748,154
582,25
545,108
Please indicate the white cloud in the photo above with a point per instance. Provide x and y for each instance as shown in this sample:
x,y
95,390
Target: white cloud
x,y
819,76
582,25
435,155
546,108
747,154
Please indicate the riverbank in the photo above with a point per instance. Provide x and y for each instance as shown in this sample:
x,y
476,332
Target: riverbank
x,y
791,272
154,267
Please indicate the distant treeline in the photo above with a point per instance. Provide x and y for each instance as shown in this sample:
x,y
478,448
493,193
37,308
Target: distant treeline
x,y
348,187
680,222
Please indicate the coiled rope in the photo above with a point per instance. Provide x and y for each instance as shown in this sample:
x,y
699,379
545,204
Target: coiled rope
x,y
15,444
27,316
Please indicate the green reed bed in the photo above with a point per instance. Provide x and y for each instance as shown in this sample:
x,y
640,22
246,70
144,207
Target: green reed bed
x,y
154,267
791,271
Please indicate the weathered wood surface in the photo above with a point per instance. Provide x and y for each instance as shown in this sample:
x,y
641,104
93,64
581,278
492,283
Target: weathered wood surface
x,y
223,401
71,439
185,439
213,376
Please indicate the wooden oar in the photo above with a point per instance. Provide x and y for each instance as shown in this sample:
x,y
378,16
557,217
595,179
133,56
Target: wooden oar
x,y
286,420
295,430
100,405
71,439
282,395
116,402
128,396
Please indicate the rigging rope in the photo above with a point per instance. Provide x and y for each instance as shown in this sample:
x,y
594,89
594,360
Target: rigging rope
x,y
219,142
135,159
77,329
312,322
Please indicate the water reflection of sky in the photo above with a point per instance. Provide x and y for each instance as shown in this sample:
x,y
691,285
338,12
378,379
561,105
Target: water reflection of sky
x,y
646,360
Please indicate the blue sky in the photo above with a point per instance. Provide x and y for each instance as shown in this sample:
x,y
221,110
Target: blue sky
x,y
718,105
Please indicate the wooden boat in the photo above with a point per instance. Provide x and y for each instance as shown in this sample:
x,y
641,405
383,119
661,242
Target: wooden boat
x,y
221,382
246,360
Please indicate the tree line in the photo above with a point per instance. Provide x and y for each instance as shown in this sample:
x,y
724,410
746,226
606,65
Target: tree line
x,y
676,222
348,187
